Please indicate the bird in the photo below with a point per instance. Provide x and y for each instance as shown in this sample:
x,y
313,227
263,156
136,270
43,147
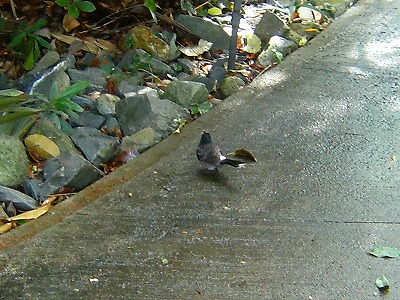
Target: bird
x,y
210,156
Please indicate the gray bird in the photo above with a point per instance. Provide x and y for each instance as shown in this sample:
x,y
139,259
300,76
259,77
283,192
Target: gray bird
x,y
210,156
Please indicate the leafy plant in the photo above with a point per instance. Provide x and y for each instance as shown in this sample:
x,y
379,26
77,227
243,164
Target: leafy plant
x,y
26,41
75,6
199,109
18,111
152,7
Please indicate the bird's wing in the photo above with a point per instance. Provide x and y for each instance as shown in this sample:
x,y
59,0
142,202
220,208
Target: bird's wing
x,y
209,153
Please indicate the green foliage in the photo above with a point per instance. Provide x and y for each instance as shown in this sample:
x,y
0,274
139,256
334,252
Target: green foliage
x,y
27,43
152,7
212,8
75,6
278,55
199,109
18,111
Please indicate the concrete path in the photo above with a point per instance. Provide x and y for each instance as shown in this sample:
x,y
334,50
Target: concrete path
x,y
298,224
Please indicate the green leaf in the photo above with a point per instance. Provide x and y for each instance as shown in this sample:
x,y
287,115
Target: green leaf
x,y
279,55
6,103
202,12
55,119
7,128
74,89
30,59
53,90
17,40
36,50
64,104
42,42
10,92
63,3
381,282
199,109
188,7
215,11
86,6
35,27
18,115
151,5
73,11
23,125
383,251
66,127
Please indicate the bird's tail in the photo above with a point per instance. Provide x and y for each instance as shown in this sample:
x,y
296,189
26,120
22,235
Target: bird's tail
x,y
231,162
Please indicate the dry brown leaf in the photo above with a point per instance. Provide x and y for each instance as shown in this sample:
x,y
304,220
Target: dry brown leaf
x,y
70,23
88,46
199,49
246,153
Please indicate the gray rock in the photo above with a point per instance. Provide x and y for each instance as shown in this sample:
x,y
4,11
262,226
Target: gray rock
x,y
33,188
111,126
128,88
231,85
96,76
210,83
188,66
218,73
98,148
148,110
84,102
186,93
170,38
21,201
88,119
9,209
5,82
153,65
207,30
277,44
14,162
269,26
47,128
68,170
105,104
141,140
49,59
42,82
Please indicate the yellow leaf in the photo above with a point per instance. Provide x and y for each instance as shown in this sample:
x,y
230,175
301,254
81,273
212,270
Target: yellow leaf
x,y
5,228
311,30
244,153
32,214
42,146
215,11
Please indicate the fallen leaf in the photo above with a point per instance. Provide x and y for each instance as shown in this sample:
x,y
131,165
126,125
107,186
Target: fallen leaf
x,y
32,214
383,251
246,153
42,146
311,30
88,46
253,43
196,50
5,228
